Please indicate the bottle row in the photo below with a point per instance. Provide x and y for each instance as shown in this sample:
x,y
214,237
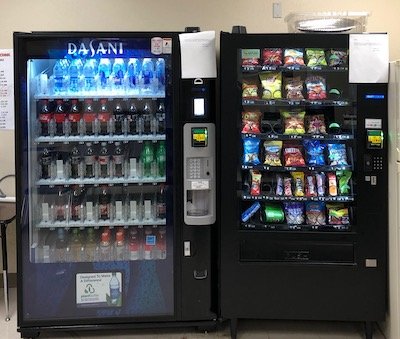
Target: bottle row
x,y
73,118
105,244
78,206
144,76
132,160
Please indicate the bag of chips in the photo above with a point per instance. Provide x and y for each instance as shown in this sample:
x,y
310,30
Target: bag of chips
x,y
332,185
311,188
338,214
316,87
314,152
287,185
293,122
255,182
272,56
315,57
272,151
316,124
248,213
271,83
344,178
337,154
293,56
250,151
251,122
337,57
293,155
249,89
320,178
294,212
273,213
298,178
294,88
315,213
279,185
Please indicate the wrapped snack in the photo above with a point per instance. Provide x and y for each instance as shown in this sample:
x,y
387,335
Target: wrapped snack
x,y
272,56
249,88
316,124
337,57
337,154
273,213
315,57
344,178
287,183
293,156
247,214
293,122
294,56
294,212
294,88
338,214
316,87
271,83
250,57
279,185
298,178
315,213
311,188
251,122
315,152
320,178
255,182
273,153
332,185
250,151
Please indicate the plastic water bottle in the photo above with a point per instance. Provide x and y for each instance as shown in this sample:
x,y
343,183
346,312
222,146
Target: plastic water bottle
x,y
91,246
104,161
46,160
104,71
76,246
133,72
74,118
59,73
76,163
61,246
89,73
147,74
118,73
119,246
105,247
160,74
115,293
74,73
147,158
90,161
134,245
118,160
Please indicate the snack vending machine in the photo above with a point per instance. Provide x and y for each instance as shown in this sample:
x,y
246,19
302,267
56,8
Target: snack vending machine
x,y
303,200
101,227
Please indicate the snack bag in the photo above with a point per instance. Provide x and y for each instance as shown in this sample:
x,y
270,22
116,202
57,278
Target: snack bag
x,y
247,214
251,122
273,213
316,124
315,152
332,185
255,182
316,87
294,212
293,56
315,213
279,185
271,83
287,185
272,56
311,187
250,151
272,151
298,178
344,178
338,214
337,154
294,88
293,122
249,89
293,156
315,57
337,57
320,178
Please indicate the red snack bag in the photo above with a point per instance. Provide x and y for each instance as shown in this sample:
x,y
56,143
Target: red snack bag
x,y
251,122
255,182
272,56
293,155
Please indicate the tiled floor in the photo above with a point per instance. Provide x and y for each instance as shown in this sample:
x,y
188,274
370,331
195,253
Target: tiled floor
x,y
248,329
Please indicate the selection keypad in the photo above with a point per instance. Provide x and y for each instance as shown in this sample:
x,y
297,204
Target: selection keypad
x,y
194,168
377,163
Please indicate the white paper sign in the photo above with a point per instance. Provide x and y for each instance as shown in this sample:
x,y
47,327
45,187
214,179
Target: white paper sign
x,y
198,57
6,89
368,58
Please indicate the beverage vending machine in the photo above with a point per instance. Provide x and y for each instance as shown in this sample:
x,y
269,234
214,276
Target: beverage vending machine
x,y
303,200
103,239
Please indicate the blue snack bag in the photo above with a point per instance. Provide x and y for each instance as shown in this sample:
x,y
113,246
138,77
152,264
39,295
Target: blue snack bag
x,y
250,151
337,154
314,152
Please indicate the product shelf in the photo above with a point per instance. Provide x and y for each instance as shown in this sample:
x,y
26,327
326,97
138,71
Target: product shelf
x,y
297,103
100,181
327,137
296,68
298,168
99,138
287,227
266,197
101,223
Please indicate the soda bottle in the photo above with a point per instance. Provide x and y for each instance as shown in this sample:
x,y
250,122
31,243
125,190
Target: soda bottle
x,y
160,74
119,245
147,116
104,161
76,246
61,246
161,205
60,206
90,206
133,72
103,72
119,118
45,118
115,293
104,117
162,243
149,243
104,204
46,164
90,161
118,73
89,117
74,73
160,118
160,158
105,246
147,74
74,118
89,73
132,118
147,158
91,247
59,73
77,204
134,245
118,159
60,118
76,163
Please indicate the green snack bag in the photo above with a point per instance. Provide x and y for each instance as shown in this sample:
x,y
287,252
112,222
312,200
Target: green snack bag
x,y
273,213
344,178
315,57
